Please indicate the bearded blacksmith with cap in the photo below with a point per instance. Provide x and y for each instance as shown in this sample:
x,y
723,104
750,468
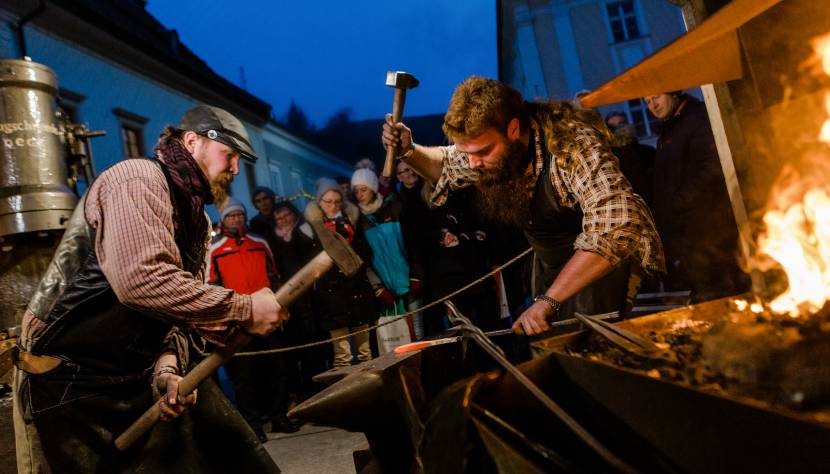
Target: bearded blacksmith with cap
x,y
546,168
123,311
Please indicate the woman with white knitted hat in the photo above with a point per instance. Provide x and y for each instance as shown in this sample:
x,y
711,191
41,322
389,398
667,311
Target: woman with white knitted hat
x,y
382,227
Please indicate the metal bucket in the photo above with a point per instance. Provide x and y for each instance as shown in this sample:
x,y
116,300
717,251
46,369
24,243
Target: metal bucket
x,y
34,193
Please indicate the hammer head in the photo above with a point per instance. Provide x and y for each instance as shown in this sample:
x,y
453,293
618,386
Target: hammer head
x,y
338,249
401,80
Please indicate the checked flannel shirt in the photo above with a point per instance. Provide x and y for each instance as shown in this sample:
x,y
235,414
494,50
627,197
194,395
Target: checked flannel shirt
x,y
616,223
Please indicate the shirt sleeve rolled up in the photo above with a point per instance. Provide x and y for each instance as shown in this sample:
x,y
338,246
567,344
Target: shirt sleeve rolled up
x,y
616,222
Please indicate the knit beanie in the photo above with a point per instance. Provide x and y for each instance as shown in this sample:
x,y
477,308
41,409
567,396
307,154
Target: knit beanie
x,y
232,205
325,185
365,177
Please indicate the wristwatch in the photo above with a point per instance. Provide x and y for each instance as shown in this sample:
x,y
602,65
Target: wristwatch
x,y
555,306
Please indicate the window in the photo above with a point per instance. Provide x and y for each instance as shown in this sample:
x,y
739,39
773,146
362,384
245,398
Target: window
x,y
298,180
69,102
623,20
250,172
644,122
132,133
276,178
133,139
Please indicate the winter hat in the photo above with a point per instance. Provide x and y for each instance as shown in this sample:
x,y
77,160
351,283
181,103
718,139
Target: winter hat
x,y
365,177
232,205
325,185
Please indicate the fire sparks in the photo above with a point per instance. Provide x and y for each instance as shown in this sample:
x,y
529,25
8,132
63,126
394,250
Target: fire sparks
x,y
797,227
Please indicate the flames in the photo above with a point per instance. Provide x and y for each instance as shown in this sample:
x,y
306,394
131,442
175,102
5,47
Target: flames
x,y
797,224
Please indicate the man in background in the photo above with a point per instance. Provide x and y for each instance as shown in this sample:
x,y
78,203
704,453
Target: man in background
x,y
690,203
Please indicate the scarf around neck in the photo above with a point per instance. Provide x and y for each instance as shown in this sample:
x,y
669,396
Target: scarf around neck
x,y
372,207
286,233
192,186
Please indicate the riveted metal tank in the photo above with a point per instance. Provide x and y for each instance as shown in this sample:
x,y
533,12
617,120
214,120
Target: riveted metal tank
x,y
34,192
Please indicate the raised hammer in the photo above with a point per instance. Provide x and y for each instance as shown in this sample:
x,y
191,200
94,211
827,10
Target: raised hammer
x,y
336,252
401,81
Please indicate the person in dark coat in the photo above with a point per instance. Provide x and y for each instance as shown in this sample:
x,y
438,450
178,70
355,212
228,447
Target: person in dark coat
x,y
263,223
691,206
636,159
294,246
343,304
456,246
414,214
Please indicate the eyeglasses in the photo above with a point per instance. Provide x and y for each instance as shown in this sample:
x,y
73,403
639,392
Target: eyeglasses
x,y
404,171
336,202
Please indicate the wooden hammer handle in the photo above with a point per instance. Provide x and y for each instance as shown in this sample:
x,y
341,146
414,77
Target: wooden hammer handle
x,y
287,294
397,114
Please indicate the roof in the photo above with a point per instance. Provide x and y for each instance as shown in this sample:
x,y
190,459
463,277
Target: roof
x,y
138,31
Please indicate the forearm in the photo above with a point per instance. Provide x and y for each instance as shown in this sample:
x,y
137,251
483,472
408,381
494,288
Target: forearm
x,y
137,252
174,295
427,162
581,270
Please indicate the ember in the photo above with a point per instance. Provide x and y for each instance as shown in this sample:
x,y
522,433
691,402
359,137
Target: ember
x,y
761,356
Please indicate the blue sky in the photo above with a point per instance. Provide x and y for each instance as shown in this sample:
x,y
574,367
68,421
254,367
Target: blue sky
x,y
327,55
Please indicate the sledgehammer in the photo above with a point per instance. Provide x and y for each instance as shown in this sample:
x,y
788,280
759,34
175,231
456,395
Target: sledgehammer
x,y
336,251
401,81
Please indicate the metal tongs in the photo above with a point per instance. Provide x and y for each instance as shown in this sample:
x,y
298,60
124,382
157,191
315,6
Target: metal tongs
x,y
625,340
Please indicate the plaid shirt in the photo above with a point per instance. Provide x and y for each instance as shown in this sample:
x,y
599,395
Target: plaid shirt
x,y
616,223
129,206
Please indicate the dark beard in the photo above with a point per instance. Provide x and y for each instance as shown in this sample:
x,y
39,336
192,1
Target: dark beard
x,y
503,192
219,187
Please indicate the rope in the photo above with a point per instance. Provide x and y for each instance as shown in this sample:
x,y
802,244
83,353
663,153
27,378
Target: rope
x,y
397,317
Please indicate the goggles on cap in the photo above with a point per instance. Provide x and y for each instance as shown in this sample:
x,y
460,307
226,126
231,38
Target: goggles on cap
x,y
231,139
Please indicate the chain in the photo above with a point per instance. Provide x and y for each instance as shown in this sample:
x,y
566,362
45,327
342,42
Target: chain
x,y
301,194
397,317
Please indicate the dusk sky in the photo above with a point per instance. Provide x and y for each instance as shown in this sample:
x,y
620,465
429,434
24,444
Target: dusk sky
x,y
327,54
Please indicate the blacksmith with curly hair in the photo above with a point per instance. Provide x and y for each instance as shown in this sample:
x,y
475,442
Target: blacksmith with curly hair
x,y
548,169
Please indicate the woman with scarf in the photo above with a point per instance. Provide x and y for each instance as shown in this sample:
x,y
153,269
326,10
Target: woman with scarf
x,y
343,304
